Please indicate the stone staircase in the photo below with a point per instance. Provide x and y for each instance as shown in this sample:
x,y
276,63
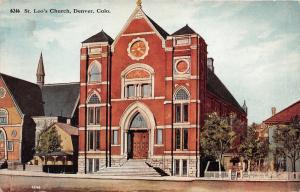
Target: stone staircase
x,y
133,167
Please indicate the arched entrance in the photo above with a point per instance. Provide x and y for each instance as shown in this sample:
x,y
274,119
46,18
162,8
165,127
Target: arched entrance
x,y
138,138
2,144
137,131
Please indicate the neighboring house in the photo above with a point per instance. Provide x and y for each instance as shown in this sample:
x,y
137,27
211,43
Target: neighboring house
x,y
27,108
19,101
270,125
64,160
145,95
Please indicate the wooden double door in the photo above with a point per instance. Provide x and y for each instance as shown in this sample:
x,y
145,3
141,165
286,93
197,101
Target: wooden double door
x,y
139,144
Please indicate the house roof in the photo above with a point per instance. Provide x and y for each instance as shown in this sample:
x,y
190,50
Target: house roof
x,y
60,99
27,95
286,115
186,30
160,30
215,86
99,37
67,128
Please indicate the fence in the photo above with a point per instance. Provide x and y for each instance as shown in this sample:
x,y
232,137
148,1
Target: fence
x,y
240,175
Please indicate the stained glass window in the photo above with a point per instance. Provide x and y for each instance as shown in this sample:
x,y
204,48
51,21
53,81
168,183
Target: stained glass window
x,y
138,122
181,95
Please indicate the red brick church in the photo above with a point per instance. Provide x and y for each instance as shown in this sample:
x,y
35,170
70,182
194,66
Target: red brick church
x,y
145,95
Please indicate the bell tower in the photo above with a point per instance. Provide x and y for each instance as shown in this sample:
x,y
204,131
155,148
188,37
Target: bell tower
x,y
40,72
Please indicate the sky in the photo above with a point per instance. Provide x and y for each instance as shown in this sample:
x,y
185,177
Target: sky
x,y
255,45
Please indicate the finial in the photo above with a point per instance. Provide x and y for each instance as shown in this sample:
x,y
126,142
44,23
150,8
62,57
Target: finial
x,y
139,3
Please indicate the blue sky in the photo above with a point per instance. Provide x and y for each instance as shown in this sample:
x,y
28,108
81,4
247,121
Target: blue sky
x,y
256,45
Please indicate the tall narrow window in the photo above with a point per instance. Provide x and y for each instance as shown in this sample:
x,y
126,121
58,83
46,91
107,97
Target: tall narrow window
x,y
181,106
185,139
115,137
146,90
159,136
94,110
184,167
178,138
177,167
94,73
3,117
177,113
130,90
181,139
93,140
10,145
90,165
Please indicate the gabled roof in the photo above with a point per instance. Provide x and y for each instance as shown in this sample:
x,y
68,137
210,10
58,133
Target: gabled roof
x,y
159,29
60,99
286,115
215,86
67,128
27,95
99,37
186,30
138,10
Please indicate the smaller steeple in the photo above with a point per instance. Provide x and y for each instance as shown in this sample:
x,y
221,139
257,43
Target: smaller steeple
x,y
40,72
245,107
139,3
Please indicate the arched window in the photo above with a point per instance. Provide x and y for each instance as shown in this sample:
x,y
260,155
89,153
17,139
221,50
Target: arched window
x,y
181,94
3,117
93,110
94,99
94,73
137,81
181,105
138,122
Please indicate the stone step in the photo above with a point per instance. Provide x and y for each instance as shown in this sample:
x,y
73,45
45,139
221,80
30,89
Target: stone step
x,y
130,168
127,171
127,174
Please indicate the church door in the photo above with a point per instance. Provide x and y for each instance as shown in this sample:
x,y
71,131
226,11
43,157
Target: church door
x,y
2,145
140,144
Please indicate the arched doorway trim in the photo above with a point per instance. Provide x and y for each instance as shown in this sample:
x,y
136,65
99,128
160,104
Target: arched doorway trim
x,y
130,112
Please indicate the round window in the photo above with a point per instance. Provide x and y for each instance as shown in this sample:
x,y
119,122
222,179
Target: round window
x,y
182,67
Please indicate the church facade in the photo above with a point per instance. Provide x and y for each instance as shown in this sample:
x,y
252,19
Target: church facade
x,y
145,95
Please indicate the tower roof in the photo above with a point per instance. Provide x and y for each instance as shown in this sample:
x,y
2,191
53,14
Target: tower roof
x,y
99,37
186,30
40,69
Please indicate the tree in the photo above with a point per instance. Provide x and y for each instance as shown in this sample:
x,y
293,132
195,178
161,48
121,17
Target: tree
x,y
252,149
263,150
287,141
49,141
217,137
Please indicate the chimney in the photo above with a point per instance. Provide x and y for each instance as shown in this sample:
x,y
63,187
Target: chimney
x,y
210,64
273,111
